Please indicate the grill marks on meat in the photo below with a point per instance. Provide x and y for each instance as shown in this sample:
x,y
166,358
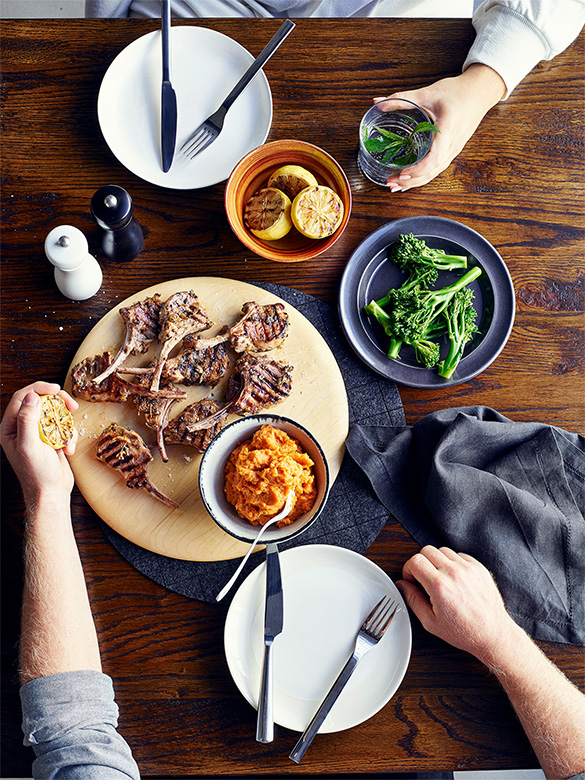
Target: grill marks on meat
x,y
142,323
258,383
181,315
123,449
260,329
84,386
197,365
197,424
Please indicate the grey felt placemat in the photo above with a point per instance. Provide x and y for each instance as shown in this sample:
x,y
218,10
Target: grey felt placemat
x,y
352,517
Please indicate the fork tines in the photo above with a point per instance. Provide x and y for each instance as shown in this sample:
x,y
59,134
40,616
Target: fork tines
x,y
197,142
380,617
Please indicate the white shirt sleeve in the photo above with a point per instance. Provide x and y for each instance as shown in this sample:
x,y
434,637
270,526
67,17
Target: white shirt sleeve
x,y
513,36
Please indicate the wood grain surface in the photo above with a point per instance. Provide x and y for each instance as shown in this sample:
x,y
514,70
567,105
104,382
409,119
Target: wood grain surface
x,y
519,182
318,401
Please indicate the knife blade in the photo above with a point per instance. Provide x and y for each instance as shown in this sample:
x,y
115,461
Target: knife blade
x,y
168,110
273,623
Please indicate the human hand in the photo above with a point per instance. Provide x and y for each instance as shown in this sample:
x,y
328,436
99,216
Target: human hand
x,y
456,106
458,601
40,469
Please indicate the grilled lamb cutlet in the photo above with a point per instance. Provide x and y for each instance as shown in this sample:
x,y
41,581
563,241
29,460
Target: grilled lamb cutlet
x,y
142,323
260,329
113,388
156,407
188,428
84,386
195,365
180,316
258,383
124,450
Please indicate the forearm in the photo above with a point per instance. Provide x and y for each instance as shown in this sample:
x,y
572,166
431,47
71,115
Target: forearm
x,y
58,633
550,708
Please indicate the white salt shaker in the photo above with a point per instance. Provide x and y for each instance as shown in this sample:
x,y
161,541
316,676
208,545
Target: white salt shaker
x,y
77,273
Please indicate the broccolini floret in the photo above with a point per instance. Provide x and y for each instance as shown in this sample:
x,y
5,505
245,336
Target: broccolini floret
x,y
412,254
461,325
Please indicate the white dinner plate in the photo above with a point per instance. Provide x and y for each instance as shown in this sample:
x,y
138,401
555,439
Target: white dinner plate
x,y
205,65
328,591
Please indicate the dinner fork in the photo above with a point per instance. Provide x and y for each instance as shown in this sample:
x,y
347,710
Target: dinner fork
x,y
208,130
369,634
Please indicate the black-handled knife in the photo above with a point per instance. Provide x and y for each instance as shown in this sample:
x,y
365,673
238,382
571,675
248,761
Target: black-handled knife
x,y
168,106
273,621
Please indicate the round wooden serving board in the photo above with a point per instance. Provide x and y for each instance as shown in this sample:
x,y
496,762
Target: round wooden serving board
x,y
318,401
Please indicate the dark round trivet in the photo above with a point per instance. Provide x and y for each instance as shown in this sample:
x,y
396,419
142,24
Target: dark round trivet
x,y
352,517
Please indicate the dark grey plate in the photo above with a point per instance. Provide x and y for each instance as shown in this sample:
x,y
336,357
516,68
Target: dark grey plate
x,y
369,275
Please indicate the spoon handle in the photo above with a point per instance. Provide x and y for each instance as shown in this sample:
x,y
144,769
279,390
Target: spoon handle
x,y
236,574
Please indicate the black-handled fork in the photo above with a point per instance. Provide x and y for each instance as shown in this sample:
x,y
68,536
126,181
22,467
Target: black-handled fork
x,y
208,131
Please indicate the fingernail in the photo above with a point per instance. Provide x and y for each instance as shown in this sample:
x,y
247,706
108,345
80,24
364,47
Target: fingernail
x,y
395,188
31,399
404,176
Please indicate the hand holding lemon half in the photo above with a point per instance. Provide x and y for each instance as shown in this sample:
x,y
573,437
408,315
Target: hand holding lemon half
x,y
316,210
56,426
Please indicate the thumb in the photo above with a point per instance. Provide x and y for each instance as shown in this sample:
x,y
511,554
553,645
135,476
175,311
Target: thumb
x,y
28,417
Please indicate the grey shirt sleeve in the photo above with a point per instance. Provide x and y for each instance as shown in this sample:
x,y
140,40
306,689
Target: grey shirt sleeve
x,y
70,719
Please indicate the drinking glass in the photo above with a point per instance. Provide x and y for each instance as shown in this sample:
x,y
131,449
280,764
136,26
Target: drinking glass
x,y
396,116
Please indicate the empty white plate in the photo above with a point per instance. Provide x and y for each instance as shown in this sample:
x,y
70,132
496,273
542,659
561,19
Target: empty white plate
x,y
205,65
328,591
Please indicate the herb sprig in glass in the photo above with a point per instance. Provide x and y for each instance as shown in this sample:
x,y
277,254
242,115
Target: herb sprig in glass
x,y
395,149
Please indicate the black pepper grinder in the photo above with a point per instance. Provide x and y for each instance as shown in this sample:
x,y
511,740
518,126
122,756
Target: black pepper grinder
x,y
122,238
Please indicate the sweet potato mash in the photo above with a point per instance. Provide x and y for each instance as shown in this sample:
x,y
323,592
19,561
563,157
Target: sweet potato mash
x,y
262,470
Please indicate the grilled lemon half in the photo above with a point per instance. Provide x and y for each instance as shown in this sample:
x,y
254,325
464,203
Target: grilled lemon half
x,y
56,426
291,179
267,214
317,212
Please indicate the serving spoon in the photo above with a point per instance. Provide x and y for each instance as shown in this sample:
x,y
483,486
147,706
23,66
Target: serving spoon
x,y
282,514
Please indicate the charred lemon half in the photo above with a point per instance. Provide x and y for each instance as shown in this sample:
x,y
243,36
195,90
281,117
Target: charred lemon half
x,y
56,426
317,212
267,214
291,179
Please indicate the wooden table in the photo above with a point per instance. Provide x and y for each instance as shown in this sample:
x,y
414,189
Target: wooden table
x,y
519,182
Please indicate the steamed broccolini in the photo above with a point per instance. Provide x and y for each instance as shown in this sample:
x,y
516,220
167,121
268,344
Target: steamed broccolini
x,y
414,314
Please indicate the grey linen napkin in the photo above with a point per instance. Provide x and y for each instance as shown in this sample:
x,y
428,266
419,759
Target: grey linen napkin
x,y
510,494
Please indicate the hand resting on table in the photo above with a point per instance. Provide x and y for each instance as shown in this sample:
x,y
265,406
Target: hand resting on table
x,y
455,597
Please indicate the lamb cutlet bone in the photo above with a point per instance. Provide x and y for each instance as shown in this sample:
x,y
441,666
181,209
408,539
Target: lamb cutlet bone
x,y
142,323
181,315
124,450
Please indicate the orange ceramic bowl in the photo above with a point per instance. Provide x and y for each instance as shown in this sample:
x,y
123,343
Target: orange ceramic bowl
x,y
252,173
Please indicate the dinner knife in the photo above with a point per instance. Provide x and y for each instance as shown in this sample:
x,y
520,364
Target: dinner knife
x,y
168,110
273,622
